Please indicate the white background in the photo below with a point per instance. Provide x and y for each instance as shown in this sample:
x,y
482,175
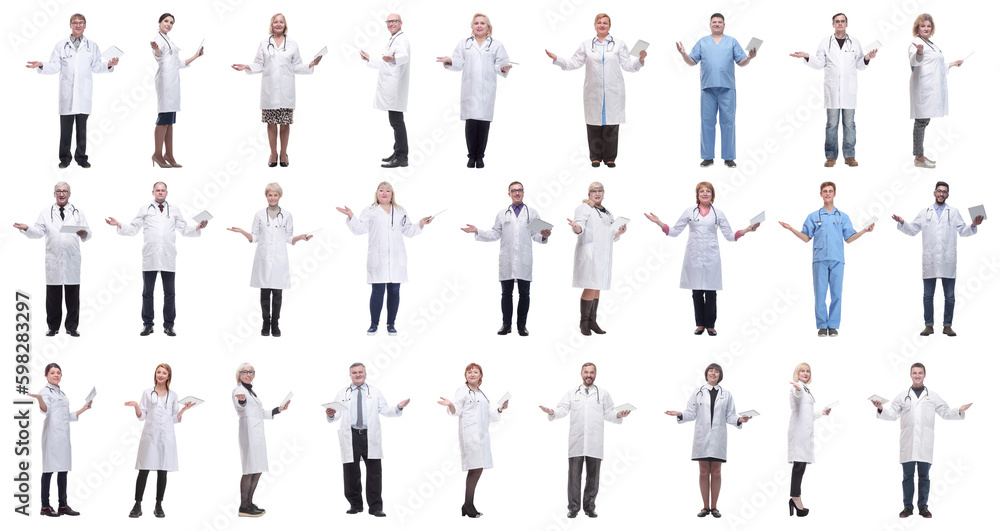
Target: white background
x,y
449,312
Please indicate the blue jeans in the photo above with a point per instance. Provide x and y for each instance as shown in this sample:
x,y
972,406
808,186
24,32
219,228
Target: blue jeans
x,y
828,275
833,116
923,485
375,303
948,285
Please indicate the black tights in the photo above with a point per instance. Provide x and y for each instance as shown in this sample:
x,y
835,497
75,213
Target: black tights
x,y
140,484
60,483
798,470
248,484
470,488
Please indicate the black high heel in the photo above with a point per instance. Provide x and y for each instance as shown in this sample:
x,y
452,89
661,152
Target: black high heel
x,y
471,514
283,164
798,512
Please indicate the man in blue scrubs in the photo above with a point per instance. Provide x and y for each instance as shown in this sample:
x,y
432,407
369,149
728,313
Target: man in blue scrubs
x,y
717,53
828,228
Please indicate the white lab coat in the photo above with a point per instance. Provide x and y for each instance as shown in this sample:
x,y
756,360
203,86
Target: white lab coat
x,y
928,82
279,65
702,263
270,261
375,404
62,251
592,258
157,445
57,454
75,69
386,252
840,71
939,258
800,425
603,83
480,64
515,242
474,417
916,422
393,83
587,413
253,448
710,436
159,235
168,75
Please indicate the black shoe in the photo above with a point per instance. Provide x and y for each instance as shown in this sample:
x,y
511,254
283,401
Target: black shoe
x,y
711,332
592,514
504,330
707,162
254,507
716,513
522,330
594,164
572,514
479,163
793,508
730,163
390,157
832,332
265,329
136,511
158,511
84,164
923,512
906,513
378,513
284,164
63,166
146,330
704,512
354,510
390,329
68,511
471,513
272,164
593,318
610,164
699,331
396,163
49,511
470,164
275,331
822,332
249,512
51,333
169,331
73,333
372,330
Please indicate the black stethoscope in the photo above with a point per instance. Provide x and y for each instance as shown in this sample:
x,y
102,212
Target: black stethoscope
x,y
596,390
510,210
393,39
926,392
392,215
473,393
606,211
931,44
848,43
156,398
608,44
697,212
271,47
154,209
819,219
69,44
468,43
930,212
349,392
280,215
701,393
76,213
166,40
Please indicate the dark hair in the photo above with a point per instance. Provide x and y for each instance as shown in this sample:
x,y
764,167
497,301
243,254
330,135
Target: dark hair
x,y
715,366
52,366
716,15
942,183
588,364
513,183
920,365
165,15
837,15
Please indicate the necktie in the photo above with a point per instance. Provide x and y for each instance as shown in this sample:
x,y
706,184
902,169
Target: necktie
x,y
62,213
360,413
587,389
161,207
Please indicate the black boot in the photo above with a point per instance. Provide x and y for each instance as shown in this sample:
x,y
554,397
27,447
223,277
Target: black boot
x,y
585,311
275,312
136,511
593,318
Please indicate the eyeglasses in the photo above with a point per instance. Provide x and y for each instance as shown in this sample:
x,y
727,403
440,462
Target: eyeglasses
x,y
600,191
517,191
945,192
62,191
393,21
250,373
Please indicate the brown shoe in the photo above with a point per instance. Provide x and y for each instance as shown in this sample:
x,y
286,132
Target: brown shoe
x,y
850,162
949,332
830,163
928,330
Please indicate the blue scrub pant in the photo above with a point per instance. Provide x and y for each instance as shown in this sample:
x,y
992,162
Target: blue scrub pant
x,y
923,484
828,274
721,101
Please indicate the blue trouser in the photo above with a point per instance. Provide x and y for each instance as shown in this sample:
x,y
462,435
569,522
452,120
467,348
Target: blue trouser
x,y
948,285
375,302
833,117
923,485
169,308
828,274
721,101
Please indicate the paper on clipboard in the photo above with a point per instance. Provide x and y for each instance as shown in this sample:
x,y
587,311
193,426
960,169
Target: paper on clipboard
x,y
336,405
876,398
754,44
499,403
537,225
202,216
618,223
190,398
321,53
112,52
750,413
978,210
625,407
640,46
284,403
90,396
71,229
759,218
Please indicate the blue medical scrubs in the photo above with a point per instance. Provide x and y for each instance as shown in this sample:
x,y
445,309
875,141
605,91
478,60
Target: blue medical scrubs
x,y
828,231
718,92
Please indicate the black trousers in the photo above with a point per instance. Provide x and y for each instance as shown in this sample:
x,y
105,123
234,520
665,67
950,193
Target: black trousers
x,y
507,300
60,484
373,474
603,142
400,148
270,306
576,465
161,484
798,470
66,134
53,305
476,134
705,308
169,310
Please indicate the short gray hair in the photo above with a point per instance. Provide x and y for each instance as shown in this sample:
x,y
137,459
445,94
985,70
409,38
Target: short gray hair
x,y
62,183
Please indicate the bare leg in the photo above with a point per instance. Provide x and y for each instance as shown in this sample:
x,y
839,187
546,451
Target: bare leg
x,y
704,467
284,130
591,294
272,140
159,133
168,146
716,474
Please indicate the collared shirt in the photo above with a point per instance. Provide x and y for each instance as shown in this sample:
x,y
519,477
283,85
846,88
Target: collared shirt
x,y
938,209
364,406
75,41
517,209
828,231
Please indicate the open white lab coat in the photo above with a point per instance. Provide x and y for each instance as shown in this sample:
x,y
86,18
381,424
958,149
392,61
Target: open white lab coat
x,y
702,262
710,436
587,414
840,71
515,242
157,445
939,258
800,425
592,257
375,404
279,65
474,417
75,69
62,251
479,64
270,261
168,75
916,422
603,83
386,252
253,447
393,83
928,82
159,235
57,454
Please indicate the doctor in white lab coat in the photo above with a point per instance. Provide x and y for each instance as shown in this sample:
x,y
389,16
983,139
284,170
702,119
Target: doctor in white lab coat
x,y
168,91
75,59
702,270
511,228
928,84
62,258
603,87
253,447
159,223
159,411
709,448
839,56
393,87
475,413
272,232
386,223
278,59
588,408
800,432
480,58
360,437
57,454
915,408
592,224
940,225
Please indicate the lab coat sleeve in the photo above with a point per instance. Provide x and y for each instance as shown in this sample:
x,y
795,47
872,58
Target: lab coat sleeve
x,y
575,61
963,229
387,410
493,234
580,216
54,66
458,402
731,416
86,227
818,59
501,59
946,413
691,412
162,44
175,408
860,59
410,229
37,230
401,49
257,66
562,408
627,62
134,226
913,227
681,224
143,406
298,66
457,57
255,229
915,59
357,224
98,65
240,408
610,414
289,230
891,411
727,231
189,230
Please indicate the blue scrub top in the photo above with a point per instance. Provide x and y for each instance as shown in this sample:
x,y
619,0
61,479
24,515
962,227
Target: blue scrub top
x,y
828,231
718,61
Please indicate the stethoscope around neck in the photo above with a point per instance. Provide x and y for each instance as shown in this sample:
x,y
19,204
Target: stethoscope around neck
x,y
930,213
349,392
392,215
480,391
271,48
701,391
527,213
819,218
75,213
276,222
926,392
69,45
154,207
166,40
469,42
698,216
580,390
609,44
847,39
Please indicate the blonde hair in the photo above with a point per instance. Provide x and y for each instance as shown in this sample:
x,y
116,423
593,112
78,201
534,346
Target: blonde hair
x,y
273,187
920,18
602,15
489,25
170,375
799,367
270,27
392,198
588,200
240,368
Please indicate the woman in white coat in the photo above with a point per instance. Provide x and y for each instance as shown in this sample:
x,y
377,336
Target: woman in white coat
x,y
928,84
272,232
603,87
592,224
709,448
159,411
702,271
168,91
474,417
480,59
386,223
253,448
57,454
279,60
800,432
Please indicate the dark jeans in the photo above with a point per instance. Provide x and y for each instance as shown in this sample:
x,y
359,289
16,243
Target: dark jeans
x,y
270,306
53,305
918,135
400,148
169,310
705,308
576,465
140,484
375,303
373,474
476,134
923,485
60,484
947,285
66,134
507,300
603,142
798,470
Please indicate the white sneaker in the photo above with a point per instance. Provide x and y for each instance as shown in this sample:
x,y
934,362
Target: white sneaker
x,y
926,163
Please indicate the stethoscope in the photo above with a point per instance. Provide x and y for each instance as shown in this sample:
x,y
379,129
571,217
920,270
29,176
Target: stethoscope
x,y
701,393
697,212
271,48
926,392
609,44
349,392
606,211
154,209
930,212
848,43
69,45
76,213
480,391
596,390
166,40
931,44
156,398
468,43
392,215
510,210
280,215
393,39
819,220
